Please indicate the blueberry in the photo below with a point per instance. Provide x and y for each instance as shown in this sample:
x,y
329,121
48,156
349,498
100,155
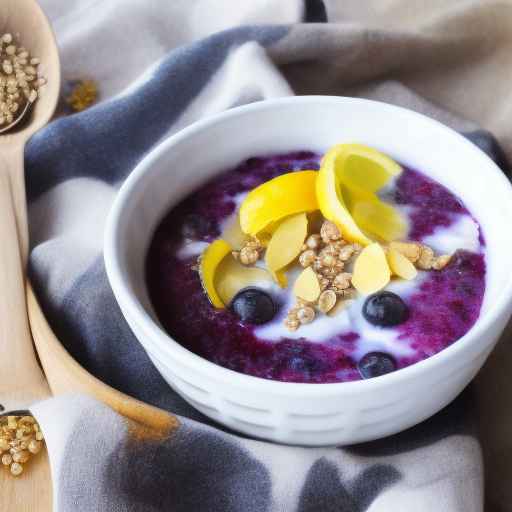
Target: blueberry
x,y
385,309
374,364
253,306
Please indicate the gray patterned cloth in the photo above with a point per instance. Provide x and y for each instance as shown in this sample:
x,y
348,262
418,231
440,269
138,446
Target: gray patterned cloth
x,y
160,66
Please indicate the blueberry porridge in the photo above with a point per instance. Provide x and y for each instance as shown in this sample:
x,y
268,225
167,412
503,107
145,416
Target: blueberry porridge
x,y
315,268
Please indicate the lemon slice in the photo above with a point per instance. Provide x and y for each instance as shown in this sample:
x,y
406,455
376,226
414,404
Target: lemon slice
x,y
331,202
349,176
364,167
210,260
285,195
372,215
233,233
280,277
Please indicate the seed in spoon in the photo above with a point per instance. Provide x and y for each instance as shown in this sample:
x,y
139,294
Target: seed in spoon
x,y
20,439
16,468
19,80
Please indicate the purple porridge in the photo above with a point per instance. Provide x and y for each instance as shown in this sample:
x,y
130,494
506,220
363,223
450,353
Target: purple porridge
x,y
442,305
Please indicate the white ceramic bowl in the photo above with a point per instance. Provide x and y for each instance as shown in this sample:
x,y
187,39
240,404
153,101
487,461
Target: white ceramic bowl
x,y
310,414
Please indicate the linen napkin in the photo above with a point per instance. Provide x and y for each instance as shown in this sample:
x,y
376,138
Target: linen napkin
x,y
160,66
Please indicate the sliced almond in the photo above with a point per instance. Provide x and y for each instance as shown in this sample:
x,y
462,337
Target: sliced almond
x,y
371,270
400,265
286,242
307,286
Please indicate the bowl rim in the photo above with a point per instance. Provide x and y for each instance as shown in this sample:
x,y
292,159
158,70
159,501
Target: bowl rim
x,y
158,337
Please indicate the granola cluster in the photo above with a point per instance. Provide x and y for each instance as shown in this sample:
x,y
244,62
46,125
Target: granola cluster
x,y
250,252
327,253
421,255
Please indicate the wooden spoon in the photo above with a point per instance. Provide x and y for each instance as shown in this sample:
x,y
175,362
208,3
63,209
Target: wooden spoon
x,y
21,379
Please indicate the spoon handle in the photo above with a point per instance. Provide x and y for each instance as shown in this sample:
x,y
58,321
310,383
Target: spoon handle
x,y
13,163
21,379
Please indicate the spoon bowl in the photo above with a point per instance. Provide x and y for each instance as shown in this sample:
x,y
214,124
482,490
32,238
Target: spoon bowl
x,y
19,117
26,21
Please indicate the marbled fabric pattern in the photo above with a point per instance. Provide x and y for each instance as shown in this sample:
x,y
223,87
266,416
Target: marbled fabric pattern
x,y
160,66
